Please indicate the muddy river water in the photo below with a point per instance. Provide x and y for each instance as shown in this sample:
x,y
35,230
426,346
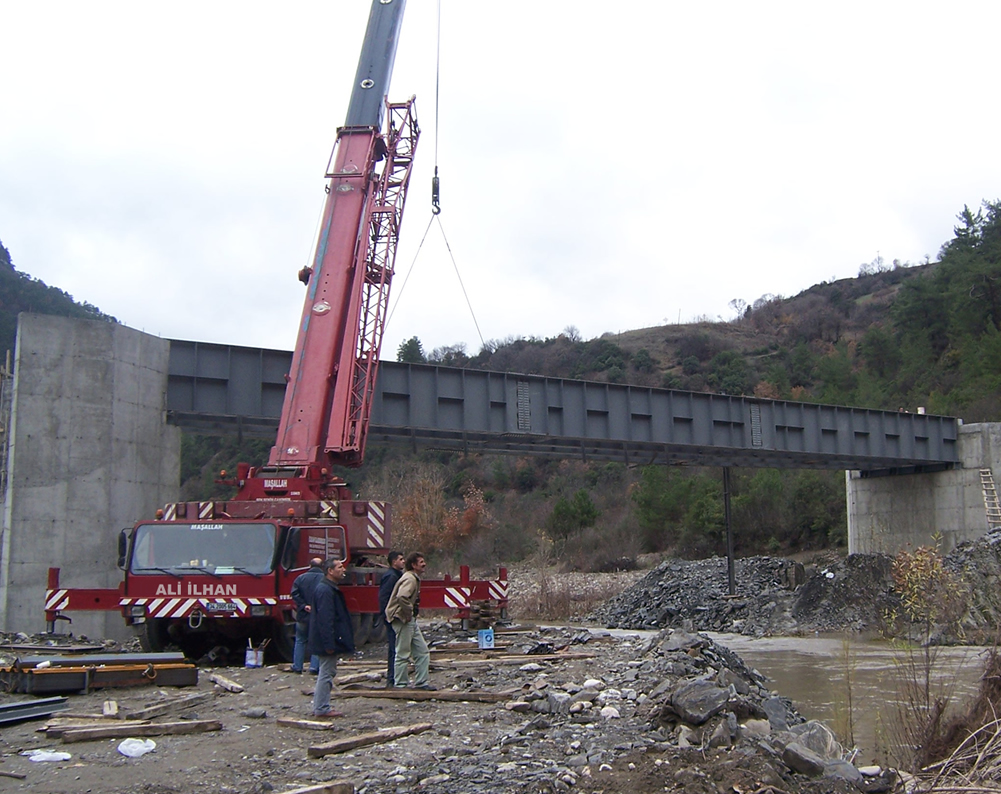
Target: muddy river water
x,y
814,672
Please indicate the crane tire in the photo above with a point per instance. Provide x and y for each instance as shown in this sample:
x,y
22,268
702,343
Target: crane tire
x,y
153,635
362,626
378,633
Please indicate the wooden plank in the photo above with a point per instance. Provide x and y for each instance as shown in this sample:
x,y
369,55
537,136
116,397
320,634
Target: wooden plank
x,y
515,659
467,647
333,787
354,679
170,705
366,739
17,775
226,683
453,695
309,725
152,729
57,729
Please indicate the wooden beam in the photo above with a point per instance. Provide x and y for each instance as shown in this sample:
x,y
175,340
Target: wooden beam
x,y
152,729
169,705
226,683
453,695
357,677
366,739
521,658
333,787
309,725
56,728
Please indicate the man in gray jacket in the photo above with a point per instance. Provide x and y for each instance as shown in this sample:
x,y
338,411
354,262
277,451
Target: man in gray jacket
x,y
401,612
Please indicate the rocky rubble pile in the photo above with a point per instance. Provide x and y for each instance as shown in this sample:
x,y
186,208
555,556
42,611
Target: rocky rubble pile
x,y
978,566
776,596
679,706
773,596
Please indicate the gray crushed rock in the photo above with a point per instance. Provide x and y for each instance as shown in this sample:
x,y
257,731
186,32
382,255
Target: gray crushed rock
x,y
776,596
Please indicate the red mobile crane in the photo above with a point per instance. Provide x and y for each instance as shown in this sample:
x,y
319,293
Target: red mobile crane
x,y
213,573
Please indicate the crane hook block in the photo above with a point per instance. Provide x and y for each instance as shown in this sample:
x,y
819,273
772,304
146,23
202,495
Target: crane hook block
x,y
435,196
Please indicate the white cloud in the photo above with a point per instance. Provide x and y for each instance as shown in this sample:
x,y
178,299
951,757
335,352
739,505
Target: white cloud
x,y
608,168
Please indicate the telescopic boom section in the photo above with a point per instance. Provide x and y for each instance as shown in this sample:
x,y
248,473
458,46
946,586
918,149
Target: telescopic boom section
x,y
328,399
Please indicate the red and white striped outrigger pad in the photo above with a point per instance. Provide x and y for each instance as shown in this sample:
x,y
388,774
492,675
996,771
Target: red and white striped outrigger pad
x,y
458,597
376,536
56,600
498,589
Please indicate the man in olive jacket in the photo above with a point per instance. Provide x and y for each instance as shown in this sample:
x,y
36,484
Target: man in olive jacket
x,y
401,612
330,633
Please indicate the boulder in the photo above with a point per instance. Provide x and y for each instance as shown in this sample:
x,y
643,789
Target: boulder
x,y
802,759
699,700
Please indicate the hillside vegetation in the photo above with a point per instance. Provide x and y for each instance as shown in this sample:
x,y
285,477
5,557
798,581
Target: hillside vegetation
x,y
898,336
19,292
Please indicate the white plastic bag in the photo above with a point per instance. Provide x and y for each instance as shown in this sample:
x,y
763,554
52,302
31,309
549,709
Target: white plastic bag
x,y
134,748
47,755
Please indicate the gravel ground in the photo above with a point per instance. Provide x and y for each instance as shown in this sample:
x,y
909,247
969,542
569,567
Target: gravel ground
x,y
663,709
637,713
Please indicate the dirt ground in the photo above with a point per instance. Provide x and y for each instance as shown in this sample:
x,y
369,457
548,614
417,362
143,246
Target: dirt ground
x,y
471,747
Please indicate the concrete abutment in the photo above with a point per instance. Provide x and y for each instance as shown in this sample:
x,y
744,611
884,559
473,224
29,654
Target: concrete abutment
x,y
88,452
888,514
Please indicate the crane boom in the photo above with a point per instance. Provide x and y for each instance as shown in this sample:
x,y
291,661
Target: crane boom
x,y
328,400
220,572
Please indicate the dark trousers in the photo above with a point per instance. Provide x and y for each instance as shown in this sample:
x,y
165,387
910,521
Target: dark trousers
x,y
391,649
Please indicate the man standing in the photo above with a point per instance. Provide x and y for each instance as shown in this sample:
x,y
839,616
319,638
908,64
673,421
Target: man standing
x,y
401,612
302,594
329,633
386,586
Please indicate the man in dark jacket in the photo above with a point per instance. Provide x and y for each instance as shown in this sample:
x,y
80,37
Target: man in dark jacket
x,y
302,594
329,633
386,585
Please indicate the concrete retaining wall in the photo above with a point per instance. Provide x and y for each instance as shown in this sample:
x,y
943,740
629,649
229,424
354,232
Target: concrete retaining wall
x,y
888,514
88,453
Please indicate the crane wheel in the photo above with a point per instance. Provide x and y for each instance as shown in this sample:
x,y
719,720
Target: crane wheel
x,y
378,633
361,626
152,635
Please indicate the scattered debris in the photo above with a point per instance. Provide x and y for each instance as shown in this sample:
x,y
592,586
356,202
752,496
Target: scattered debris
x,y
41,755
136,748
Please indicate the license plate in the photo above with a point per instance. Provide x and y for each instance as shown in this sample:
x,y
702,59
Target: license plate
x,y
224,606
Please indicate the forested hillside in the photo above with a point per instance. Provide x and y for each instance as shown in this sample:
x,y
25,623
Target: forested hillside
x,y
896,337
19,292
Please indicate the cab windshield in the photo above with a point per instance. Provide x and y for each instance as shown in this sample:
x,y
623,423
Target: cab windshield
x,y
208,548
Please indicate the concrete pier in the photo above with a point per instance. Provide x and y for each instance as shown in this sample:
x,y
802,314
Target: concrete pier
x,y
887,514
87,453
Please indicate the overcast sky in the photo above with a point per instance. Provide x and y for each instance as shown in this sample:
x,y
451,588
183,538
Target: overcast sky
x,y
607,166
